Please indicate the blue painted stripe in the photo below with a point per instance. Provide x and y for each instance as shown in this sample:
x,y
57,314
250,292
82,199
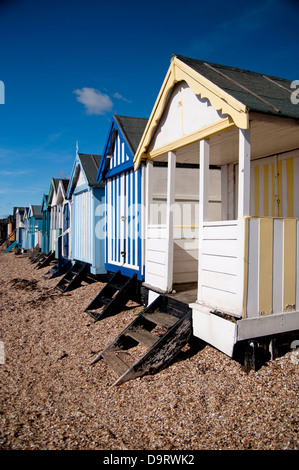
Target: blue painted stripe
x,y
128,178
119,220
123,269
139,230
119,169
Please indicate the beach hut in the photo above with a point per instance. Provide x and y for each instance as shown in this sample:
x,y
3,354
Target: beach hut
x,y
11,235
45,209
35,225
87,198
56,201
19,221
25,236
124,197
64,219
246,255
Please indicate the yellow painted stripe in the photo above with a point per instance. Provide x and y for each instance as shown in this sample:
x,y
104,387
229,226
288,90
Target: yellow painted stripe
x,y
273,190
289,265
279,176
266,266
246,256
256,191
266,190
290,187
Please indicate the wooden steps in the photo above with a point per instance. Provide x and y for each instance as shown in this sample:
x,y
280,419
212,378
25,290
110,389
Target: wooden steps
x,y
73,277
113,296
58,269
151,341
45,260
35,253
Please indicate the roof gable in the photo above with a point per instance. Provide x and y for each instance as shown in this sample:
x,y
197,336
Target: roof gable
x,y
85,167
44,204
129,131
34,211
231,91
62,190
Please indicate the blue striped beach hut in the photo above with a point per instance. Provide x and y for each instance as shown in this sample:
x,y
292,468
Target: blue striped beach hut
x,y
124,197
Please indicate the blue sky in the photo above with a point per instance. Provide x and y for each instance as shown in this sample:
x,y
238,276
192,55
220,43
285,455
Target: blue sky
x,y
68,66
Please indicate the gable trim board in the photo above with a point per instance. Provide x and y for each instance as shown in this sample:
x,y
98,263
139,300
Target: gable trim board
x,y
220,100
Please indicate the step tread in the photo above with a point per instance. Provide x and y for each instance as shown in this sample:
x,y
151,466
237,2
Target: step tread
x,y
115,286
143,336
115,360
161,318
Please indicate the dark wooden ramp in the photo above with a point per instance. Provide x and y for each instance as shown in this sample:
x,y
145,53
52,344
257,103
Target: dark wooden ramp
x,y
113,296
73,277
45,260
58,269
151,341
35,253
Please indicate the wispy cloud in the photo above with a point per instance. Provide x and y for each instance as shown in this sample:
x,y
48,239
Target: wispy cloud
x,y
120,97
14,172
94,101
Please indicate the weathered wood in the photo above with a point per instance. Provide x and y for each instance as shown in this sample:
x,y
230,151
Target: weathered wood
x,y
73,277
113,297
116,363
174,316
143,336
162,353
162,319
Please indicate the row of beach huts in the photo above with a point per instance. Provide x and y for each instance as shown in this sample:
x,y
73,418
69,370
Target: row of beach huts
x,y
193,212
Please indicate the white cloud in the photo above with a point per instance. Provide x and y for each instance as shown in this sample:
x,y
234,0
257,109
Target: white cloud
x,y
94,101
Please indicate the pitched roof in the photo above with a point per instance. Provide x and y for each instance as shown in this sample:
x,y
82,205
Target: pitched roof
x,y
65,183
132,128
36,210
90,164
259,92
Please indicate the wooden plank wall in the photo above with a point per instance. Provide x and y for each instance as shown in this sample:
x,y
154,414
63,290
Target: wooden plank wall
x,y
218,275
273,266
156,261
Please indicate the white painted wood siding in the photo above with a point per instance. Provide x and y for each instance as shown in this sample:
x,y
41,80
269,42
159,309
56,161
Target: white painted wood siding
x,y
184,113
119,154
156,262
218,266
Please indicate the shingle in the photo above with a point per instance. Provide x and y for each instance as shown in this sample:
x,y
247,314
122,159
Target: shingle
x,y
132,128
259,92
36,210
90,164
